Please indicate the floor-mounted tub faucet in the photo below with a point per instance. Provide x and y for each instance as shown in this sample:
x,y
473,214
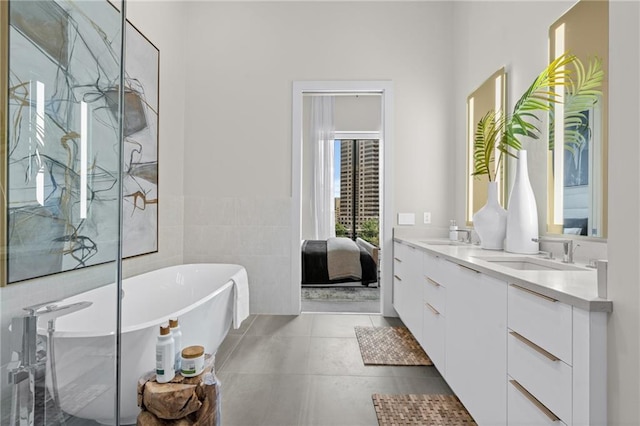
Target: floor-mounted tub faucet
x,y
567,256
27,374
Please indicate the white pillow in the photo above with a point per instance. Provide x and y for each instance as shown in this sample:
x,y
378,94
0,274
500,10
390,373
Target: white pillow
x,y
572,231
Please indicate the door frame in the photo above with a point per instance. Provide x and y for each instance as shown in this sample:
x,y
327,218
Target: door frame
x,y
385,89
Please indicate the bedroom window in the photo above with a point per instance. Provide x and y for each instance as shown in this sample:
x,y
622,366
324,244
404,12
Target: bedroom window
x,y
357,189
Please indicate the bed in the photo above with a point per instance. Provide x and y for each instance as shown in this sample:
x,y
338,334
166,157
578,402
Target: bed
x,y
339,260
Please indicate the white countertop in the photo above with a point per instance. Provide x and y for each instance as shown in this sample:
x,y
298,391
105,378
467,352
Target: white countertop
x,y
576,288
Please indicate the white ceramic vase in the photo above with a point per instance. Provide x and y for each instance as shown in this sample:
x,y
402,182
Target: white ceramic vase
x,y
522,214
490,222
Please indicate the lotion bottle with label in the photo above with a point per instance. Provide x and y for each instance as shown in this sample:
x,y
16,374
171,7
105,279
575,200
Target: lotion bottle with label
x,y
165,355
176,333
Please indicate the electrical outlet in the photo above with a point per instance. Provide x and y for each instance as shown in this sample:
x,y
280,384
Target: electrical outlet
x,y
427,217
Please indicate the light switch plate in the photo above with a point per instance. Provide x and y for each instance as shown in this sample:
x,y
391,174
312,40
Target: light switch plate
x,y
427,218
406,219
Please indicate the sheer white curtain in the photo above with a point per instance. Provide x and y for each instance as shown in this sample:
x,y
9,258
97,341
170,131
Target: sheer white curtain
x,y
322,134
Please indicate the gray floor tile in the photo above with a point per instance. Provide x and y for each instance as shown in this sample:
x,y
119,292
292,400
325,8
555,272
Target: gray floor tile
x,y
275,377
369,306
269,354
337,356
421,385
340,356
281,325
336,325
343,401
244,326
226,348
262,399
380,321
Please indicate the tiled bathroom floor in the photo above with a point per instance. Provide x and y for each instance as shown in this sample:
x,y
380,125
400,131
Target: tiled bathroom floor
x,y
307,370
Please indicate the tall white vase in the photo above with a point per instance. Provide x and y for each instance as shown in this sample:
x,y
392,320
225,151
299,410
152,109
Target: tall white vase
x,y
490,222
522,215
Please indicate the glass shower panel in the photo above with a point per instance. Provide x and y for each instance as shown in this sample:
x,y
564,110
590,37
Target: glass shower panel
x,y
60,224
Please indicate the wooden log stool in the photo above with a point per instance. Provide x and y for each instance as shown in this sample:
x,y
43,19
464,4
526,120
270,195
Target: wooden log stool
x,y
184,401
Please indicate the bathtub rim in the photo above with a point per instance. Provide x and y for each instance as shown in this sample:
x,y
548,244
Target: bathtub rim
x,y
42,330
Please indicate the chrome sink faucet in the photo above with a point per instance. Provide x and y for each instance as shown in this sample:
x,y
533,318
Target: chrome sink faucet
x,y
567,256
467,236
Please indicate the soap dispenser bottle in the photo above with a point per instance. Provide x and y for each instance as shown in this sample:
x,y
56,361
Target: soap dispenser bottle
x,y
176,333
165,355
453,235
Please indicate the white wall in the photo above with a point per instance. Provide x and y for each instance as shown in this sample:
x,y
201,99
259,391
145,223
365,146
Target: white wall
x,y
624,209
522,48
243,58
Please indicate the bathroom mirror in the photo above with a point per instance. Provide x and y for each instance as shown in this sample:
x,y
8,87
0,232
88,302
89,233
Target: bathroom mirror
x,y
577,173
490,95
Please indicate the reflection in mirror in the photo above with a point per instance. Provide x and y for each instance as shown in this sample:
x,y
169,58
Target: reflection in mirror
x,y
491,95
577,172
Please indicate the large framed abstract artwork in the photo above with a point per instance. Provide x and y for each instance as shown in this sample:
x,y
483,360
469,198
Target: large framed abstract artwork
x,y
65,160
140,174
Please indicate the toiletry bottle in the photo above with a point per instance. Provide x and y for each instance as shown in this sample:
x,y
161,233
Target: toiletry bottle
x,y
176,333
165,355
453,235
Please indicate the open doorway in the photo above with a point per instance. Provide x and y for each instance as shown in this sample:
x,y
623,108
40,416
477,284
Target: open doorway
x,y
356,212
361,151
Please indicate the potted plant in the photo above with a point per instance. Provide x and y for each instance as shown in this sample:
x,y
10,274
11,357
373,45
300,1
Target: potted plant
x,y
499,134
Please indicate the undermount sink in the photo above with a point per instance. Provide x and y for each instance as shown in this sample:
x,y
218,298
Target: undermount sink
x,y
530,264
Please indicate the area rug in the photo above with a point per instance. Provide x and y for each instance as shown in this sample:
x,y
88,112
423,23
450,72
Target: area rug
x,y
348,294
432,410
390,346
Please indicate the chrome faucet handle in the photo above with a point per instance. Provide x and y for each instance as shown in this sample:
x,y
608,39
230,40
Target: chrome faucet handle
x,y
567,243
53,311
467,238
33,309
546,254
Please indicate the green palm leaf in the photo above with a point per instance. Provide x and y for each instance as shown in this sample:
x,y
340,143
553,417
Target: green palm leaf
x,y
497,131
582,94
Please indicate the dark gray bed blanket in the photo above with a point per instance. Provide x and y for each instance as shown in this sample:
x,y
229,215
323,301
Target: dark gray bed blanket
x,y
314,265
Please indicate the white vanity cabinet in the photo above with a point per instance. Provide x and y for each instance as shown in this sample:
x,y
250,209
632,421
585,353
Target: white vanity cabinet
x,y
476,346
556,361
407,286
513,355
434,297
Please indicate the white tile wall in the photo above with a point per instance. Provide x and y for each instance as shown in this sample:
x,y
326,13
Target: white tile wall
x,y
252,231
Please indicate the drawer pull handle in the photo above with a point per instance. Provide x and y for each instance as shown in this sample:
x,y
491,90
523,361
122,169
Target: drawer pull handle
x,y
535,347
397,277
466,267
542,296
535,401
396,259
432,309
432,282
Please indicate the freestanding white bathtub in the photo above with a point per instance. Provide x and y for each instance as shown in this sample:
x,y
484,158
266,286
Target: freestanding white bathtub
x,y
201,296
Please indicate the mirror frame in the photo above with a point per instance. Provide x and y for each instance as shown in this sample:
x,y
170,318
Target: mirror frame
x,y
562,35
490,95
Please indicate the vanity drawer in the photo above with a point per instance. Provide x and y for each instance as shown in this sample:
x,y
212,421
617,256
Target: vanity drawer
x,y
433,334
524,410
546,377
543,320
435,294
404,257
437,268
